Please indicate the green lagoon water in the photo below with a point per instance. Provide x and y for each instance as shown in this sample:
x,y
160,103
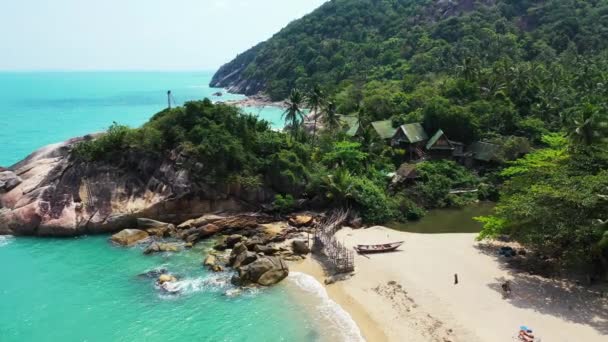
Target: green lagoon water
x,y
86,289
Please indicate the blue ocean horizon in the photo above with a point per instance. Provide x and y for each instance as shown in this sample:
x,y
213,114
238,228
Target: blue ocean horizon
x,y
44,107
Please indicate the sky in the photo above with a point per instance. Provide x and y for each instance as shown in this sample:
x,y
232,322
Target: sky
x,y
137,34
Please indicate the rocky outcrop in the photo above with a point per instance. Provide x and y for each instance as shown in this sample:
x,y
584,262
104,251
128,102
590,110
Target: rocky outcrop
x,y
50,193
8,181
301,220
300,247
265,271
159,247
128,237
231,75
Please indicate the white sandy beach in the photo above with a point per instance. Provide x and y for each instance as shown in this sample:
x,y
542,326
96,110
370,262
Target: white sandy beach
x,y
410,295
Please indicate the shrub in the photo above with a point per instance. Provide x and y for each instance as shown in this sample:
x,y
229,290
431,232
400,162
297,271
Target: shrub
x,y
283,204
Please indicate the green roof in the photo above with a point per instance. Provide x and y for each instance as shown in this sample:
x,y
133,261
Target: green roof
x,y
434,139
384,128
352,124
349,120
414,132
485,151
352,130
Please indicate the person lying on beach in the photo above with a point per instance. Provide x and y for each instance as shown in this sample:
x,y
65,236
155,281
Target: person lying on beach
x,y
526,335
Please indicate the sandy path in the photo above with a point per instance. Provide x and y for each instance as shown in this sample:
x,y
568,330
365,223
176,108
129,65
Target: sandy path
x,y
410,294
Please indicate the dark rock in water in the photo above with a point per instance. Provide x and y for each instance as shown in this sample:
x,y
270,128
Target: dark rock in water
x,y
264,271
128,237
300,247
154,273
158,247
219,93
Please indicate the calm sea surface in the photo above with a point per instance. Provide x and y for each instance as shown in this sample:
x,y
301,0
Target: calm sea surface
x,y
85,289
40,108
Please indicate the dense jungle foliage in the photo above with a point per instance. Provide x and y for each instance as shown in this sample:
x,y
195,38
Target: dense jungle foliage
x,y
474,68
498,71
517,73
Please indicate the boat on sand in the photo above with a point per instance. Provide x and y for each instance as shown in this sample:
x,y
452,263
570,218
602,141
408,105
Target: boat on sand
x,y
383,248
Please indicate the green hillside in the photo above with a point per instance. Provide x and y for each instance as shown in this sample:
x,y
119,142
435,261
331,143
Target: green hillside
x,y
490,70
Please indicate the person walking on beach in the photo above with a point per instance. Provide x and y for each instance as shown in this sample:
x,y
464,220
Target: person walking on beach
x,y
506,289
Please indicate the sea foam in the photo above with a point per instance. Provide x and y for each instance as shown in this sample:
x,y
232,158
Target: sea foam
x,y
6,239
328,308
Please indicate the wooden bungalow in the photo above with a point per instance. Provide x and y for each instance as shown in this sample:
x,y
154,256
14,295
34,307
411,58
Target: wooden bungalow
x,y
350,124
384,129
484,153
412,138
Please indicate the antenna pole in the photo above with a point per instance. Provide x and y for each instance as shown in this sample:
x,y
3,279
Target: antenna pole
x,y
169,98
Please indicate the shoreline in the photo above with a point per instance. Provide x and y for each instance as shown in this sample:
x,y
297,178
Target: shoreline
x,y
369,328
411,293
253,101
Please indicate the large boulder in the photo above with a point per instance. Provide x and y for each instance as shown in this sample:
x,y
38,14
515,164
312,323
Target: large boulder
x,y
238,249
301,220
233,239
264,271
146,223
8,181
266,249
244,259
158,247
300,247
194,235
128,237
198,222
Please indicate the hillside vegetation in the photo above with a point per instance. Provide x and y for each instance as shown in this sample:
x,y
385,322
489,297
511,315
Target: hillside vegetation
x,y
480,70
472,67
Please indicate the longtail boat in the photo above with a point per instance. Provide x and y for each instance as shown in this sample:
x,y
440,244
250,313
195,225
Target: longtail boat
x,y
387,247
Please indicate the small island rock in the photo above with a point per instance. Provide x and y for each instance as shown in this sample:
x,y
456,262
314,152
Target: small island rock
x,y
128,237
158,247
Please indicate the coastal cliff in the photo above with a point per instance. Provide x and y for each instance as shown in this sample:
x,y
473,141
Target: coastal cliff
x,y
233,77
50,193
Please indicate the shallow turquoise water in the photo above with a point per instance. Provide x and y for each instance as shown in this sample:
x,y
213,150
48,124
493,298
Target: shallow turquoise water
x,y
39,108
86,289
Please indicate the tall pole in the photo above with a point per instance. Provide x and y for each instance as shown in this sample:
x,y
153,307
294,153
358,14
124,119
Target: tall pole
x,y
169,98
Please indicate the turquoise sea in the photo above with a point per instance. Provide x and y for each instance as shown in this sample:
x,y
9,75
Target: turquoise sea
x,y
40,108
86,289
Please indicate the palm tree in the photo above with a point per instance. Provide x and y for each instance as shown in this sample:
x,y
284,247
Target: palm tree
x,y
315,102
588,125
331,119
293,115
